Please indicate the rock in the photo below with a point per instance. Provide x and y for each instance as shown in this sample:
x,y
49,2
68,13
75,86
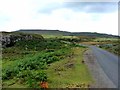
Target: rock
x,y
83,61
9,39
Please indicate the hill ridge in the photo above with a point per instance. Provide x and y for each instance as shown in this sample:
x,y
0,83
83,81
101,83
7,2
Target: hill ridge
x,y
65,33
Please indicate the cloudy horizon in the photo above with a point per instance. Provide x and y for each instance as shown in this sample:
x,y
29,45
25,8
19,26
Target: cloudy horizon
x,y
100,17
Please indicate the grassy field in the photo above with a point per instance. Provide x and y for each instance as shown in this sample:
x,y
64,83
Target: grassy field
x,y
70,72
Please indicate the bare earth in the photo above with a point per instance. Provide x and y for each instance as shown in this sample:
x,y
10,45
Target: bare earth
x,y
99,76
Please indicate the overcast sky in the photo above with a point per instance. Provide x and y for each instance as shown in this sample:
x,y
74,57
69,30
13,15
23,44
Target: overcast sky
x,y
74,16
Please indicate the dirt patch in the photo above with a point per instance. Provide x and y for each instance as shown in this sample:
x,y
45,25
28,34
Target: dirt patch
x,y
69,65
100,78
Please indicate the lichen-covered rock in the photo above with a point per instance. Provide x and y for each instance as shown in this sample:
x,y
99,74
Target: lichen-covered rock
x,y
9,39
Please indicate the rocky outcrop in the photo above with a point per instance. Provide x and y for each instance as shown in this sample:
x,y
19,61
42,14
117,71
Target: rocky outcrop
x,y
9,39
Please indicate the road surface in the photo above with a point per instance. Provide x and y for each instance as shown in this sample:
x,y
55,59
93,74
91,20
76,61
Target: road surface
x,y
108,63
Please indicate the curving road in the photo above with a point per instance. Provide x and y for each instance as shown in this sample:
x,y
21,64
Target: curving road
x,y
108,62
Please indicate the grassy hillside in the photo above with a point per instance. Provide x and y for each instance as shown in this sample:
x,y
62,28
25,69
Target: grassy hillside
x,y
55,59
29,62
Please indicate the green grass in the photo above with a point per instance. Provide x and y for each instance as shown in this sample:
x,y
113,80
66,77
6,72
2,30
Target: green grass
x,y
106,39
50,36
16,69
69,72
57,36
12,83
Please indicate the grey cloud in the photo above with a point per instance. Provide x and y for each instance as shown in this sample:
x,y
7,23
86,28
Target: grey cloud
x,y
88,7
92,7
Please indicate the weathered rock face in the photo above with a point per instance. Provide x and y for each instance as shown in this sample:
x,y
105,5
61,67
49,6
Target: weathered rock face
x,y
8,40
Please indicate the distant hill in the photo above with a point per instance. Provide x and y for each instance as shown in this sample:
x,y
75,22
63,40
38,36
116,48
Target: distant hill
x,y
65,33
41,31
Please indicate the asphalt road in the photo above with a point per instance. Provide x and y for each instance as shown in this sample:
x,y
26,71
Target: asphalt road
x,y
108,62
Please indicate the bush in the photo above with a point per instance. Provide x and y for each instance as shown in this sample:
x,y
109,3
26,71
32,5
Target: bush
x,y
9,72
36,78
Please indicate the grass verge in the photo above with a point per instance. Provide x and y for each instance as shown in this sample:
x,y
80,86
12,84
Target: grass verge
x,y
70,72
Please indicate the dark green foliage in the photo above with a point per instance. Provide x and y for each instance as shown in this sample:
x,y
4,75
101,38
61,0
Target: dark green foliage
x,y
39,45
9,72
31,45
40,76
35,78
26,47
31,70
